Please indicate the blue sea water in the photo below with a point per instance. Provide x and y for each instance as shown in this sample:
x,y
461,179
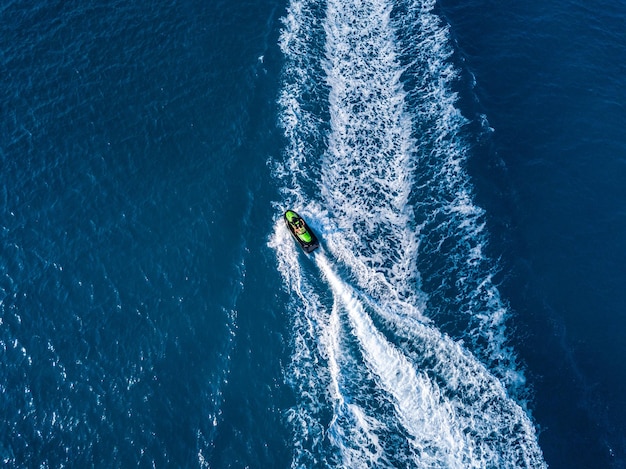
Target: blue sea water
x,y
462,162
549,78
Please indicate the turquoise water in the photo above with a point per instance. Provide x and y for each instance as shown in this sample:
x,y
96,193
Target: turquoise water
x,y
461,162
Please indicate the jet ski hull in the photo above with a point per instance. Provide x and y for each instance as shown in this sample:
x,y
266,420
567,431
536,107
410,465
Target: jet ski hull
x,y
301,232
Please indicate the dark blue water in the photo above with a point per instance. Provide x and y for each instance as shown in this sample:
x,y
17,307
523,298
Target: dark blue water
x,y
125,224
462,162
549,79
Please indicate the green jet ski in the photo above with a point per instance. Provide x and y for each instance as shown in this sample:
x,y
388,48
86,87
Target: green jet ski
x,y
301,231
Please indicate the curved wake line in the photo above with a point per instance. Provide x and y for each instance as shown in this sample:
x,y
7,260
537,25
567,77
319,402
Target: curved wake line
x,y
411,394
369,89
457,274
443,433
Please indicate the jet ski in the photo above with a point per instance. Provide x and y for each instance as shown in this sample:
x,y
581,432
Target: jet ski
x,y
301,231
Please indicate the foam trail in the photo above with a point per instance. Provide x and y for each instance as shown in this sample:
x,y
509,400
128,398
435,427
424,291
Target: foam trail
x,y
366,176
450,411
394,177
375,159
317,375
351,429
412,394
457,273
446,403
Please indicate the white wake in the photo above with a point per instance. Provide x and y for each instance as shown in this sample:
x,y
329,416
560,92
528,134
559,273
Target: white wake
x,y
375,162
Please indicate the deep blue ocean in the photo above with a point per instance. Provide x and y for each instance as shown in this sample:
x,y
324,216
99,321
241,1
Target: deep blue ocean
x,y
462,161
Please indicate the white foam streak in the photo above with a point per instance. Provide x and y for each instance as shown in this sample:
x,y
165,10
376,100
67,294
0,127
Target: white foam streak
x,y
415,398
378,168
350,430
367,168
452,410
316,373
443,200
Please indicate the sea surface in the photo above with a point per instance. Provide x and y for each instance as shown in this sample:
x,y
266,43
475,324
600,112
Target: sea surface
x,y
462,161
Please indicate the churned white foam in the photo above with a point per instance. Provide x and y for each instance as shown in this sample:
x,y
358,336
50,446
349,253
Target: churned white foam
x,y
454,238
310,369
367,168
375,159
450,408
301,115
316,375
351,430
412,395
